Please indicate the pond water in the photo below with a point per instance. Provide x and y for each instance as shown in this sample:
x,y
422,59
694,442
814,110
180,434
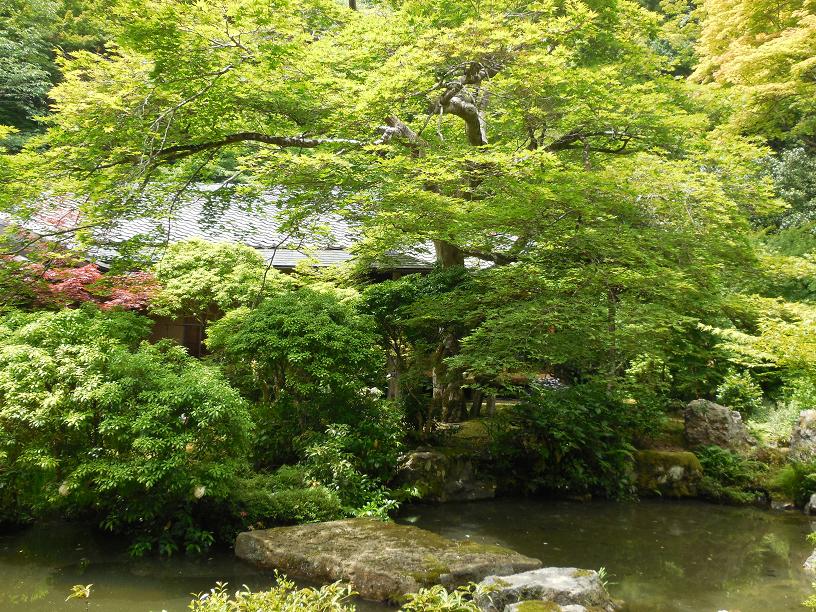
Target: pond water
x,y
668,556
660,556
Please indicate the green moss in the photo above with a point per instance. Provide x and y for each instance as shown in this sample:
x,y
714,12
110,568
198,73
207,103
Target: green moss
x,y
476,547
538,606
407,536
456,452
433,569
667,459
579,573
672,435
669,473
471,430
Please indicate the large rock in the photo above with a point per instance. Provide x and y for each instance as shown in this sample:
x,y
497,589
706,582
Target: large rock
x,y
445,474
709,424
803,438
667,473
810,564
382,561
564,586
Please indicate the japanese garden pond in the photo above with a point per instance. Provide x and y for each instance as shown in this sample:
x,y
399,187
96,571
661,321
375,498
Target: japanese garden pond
x,y
659,556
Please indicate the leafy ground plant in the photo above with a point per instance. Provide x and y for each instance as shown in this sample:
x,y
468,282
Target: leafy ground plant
x,y
283,597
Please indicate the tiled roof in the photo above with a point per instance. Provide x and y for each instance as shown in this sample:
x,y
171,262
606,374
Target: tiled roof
x,y
324,240
257,223
289,258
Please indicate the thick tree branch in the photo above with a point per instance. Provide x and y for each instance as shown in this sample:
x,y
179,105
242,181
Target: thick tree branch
x,y
579,140
500,259
176,152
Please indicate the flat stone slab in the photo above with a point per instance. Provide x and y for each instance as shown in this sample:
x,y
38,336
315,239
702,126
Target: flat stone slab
x,y
556,586
382,561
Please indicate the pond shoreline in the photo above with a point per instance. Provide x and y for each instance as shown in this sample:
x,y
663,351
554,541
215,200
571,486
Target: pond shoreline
x,y
694,554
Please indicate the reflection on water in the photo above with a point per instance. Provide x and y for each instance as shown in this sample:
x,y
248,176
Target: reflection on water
x,y
661,556
672,557
39,565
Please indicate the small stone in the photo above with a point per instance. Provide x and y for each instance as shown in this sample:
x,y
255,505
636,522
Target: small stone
x,y
810,506
565,586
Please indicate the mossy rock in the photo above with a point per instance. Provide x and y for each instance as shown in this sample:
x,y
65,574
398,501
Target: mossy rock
x,y
547,606
383,561
447,473
671,436
472,432
547,589
667,473
534,606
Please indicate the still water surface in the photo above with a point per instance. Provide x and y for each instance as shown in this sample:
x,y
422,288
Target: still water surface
x,y
660,556
673,557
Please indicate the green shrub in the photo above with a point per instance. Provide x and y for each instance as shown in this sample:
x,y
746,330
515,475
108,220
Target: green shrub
x,y
284,498
727,467
330,460
283,597
200,278
439,599
308,346
797,481
773,425
739,391
573,440
143,438
306,357
729,477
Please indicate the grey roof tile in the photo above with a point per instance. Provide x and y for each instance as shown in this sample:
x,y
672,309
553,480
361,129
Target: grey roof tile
x,y
324,240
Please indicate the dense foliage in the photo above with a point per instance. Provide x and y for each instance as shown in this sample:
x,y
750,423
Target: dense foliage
x,y
305,347
619,196
95,423
205,280
572,441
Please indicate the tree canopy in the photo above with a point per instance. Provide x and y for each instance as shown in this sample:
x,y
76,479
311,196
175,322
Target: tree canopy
x,y
618,195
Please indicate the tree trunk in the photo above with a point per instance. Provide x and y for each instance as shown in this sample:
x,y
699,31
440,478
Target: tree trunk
x,y
611,322
393,378
448,397
476,406
448,255
491,405
447,384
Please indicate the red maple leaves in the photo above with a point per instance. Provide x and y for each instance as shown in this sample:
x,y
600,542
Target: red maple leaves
x,y
74,285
